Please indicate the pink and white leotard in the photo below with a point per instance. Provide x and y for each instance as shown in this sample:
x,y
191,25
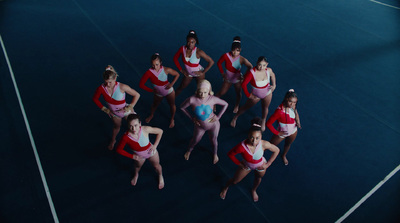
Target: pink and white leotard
x,y
158,79
141,146
261,89
192,63
286,118
252,160
232,67
116,101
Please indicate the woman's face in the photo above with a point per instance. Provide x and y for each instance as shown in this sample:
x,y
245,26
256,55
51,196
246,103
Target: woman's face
x,y
254,138
191,43
134,126
291,102
203,93
236,52
156,64
110,82
262,65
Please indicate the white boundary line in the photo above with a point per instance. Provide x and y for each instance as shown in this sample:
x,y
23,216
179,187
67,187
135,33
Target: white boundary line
x,y
46,188
369,194
381,3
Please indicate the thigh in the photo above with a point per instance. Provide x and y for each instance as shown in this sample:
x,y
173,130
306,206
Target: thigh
x,y
290,139
275,139
240,174
116,120
171,98
155,159
266,101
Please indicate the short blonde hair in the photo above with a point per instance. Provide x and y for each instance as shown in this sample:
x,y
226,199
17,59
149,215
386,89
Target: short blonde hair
x,y
202,83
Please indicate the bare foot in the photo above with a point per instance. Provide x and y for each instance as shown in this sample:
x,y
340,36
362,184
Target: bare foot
x,y
263,126
233,122
222,195
134,179
216,159
187,155
161,182
148,119
111,145
255,196
236,109
285,160
171,123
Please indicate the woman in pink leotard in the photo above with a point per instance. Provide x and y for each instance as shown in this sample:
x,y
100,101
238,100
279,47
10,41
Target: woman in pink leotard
x,y
288,119
158,76
137,138
263,82
252,150
204,119
232,75
113,93
191,59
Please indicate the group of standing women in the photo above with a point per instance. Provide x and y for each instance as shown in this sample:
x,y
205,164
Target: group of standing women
x,y
203,106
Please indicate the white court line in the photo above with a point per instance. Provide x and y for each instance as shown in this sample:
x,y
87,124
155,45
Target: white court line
x,y
391,6
46,188
368,195
334,90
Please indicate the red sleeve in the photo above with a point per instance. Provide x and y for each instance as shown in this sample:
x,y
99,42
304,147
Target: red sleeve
x,y
121,145
176,59
219,63
235,150
96,97
246,80
143,81
271,121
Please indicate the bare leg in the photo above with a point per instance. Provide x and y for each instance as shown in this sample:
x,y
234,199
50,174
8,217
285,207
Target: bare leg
x,y
185,82
116,127
156,102
171,102
288,142
257,180
138,166
225,87
249,103
264,106
239,175
238,90
155,161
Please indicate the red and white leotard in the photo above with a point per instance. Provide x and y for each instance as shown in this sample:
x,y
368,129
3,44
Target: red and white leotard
x,y
252,160
232,66
286,119
192,63
141,146
260,88
116,101
158,79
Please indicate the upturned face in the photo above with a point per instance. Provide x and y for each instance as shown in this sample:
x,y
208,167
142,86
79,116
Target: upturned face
x,y
191,43
203,93
254,138
134,126
291,102
236,52
262,65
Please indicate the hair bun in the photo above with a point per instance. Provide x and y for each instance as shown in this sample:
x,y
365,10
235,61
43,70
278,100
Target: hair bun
x,y
291,90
